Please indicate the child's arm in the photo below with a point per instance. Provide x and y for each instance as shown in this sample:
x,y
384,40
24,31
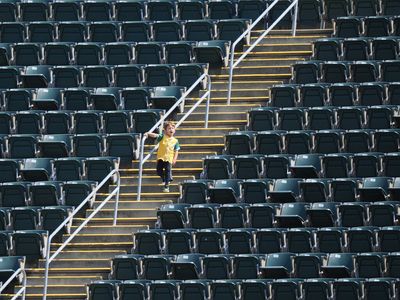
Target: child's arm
x,y
152,135
175,157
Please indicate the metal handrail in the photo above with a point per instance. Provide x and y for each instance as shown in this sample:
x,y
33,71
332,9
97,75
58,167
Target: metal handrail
x,y
207,95
70,217
9,280
233,65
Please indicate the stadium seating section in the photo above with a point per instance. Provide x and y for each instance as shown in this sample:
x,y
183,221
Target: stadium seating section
x,y
302,203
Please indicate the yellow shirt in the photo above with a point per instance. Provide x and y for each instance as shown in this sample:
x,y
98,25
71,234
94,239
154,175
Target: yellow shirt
x,y
167,147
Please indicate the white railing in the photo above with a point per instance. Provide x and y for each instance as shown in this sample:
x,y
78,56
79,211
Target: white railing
x,y
206,95
22,291
233,64
91,196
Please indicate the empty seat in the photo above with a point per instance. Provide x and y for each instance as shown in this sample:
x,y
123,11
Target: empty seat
x,y
135,98
26,54
307,72
17,99
341,94
232,216
213,52
164,97
276,166
204,216
269,142
24,218
33,11
313,95
246,266
276,12
389,165
386,141
75,192
57,54
156,267
314,190
178,52
384,48
187,74
125,267
363,72
217,167
389,241
167,31
103,32
129,11
330,239
45,193
299,240
14,194
230,30
352,214
87,54
209,241
309,14
382,214
248,167
335,9
22,146
239,241
57,122
308,265
323,214
283,96
135,31
239,143
52,217
172,216
269,240
390,70
65,11
347,27
9,169
356,141
292,215
379,287
347,288
36,169
148,242
349,118
309,166
379,117
297,142
116,122
9,265
71,32
87,122
179,241
355,49
87,145
290,119
102,289
30,243
187,266
260,119
12,32
360,239
127,76
221,9
97,11
261,215
8,11
339,265
123,145
225,191
103,98
376,26
65,77
285,190
365,7
191,10
55,146
158,75
195,191
334,72
278,265
39,32
374,189
97,168
196,289
326,49
161,10
143,120
6,123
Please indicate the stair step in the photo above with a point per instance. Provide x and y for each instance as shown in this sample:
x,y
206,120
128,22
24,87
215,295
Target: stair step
x,y
113,229
299,32
78,263
91,254
49,296
187,163
254,71
221,107
203,132
183,154
177,170
152,179
222,91
153,194
215,116
58,289
281,39
100,245
251,78
103,271
264,46
276,53
125,212
214,123
249,61
147,188
120,221
62,279
134,204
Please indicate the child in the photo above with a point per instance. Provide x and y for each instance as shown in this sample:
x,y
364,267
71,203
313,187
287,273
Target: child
x,y
167,152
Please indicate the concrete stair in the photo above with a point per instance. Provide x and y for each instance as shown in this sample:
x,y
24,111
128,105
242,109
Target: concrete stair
x,y
88,257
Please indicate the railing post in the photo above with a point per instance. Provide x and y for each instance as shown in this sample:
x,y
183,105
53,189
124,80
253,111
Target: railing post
x,y
294,25
208,101
117,200
46,268
140,171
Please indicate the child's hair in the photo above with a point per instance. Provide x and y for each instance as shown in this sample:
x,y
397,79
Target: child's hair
x,y
168,123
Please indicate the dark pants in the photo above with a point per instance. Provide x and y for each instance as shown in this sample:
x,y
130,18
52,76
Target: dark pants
x,y
164,171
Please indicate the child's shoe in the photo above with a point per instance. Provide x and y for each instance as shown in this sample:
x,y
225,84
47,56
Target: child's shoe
x,y
166,189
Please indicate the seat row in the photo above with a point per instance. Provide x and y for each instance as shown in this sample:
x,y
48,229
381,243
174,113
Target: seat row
x,y
47,218
250,191
70,169
100,76
333,165
345,118
267,240
28,195
109,32
124,145
31,244
245,267
129,11
339,94
289,214
67,122
261,289
81,99
338,72
370,26
379,48
308,141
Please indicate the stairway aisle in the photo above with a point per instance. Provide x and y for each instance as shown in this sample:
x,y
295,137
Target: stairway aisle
x,y
88,257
